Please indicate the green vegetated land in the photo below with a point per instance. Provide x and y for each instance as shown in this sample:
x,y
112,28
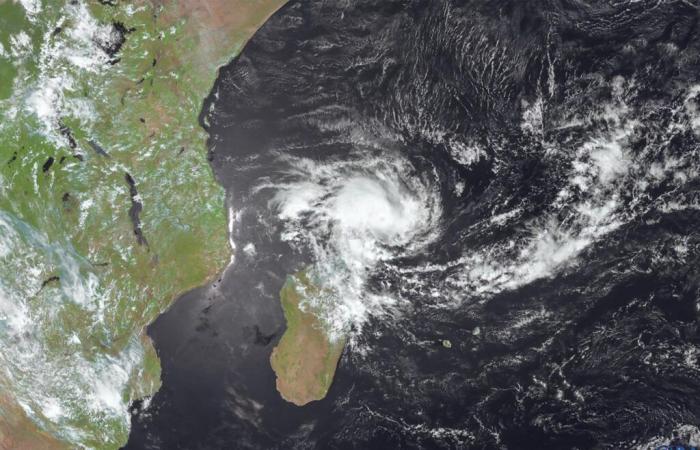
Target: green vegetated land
x,y
305,359
108,208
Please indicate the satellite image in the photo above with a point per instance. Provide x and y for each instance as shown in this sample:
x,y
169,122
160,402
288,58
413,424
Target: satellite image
x,y
349,224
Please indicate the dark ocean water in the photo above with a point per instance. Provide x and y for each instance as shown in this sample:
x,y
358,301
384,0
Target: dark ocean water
x,y
555,147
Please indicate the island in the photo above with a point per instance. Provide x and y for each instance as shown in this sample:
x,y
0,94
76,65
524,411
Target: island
x,y
305,359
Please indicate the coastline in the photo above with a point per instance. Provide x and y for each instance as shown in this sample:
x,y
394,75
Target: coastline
x,y
148,99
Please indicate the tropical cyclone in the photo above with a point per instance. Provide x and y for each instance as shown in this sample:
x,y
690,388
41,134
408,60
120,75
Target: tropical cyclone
x,y
562,140
90,92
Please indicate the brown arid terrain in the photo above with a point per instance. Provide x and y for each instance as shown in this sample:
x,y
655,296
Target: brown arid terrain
x,y
221,27
18,432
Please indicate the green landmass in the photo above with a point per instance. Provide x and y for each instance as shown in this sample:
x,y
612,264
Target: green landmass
x,y
305,359
86,138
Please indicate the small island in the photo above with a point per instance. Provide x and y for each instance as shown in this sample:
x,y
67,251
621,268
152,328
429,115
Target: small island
x,y
305,359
